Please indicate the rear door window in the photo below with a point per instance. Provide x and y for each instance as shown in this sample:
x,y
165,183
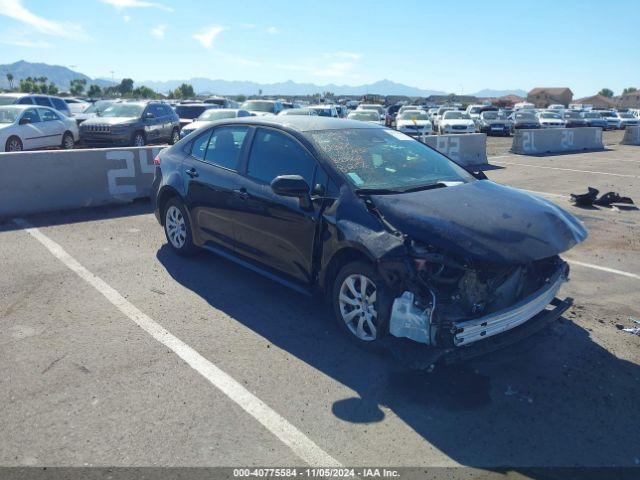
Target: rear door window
x,y
199,145
225,145
59,104
25,101
44,101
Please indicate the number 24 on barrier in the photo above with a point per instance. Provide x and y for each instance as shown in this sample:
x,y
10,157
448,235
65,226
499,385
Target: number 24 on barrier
x,y
129,171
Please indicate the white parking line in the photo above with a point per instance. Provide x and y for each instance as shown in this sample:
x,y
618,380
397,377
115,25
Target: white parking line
x,y
297,441
604,269
568,169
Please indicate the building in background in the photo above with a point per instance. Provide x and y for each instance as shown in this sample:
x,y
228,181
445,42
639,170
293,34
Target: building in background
x,y
599,102
542,97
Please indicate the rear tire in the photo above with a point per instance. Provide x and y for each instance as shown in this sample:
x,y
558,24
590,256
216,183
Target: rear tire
x,y
68,142
14,144
177,228
360,304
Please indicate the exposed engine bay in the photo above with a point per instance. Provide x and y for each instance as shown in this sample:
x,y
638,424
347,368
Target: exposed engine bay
x,y
445,295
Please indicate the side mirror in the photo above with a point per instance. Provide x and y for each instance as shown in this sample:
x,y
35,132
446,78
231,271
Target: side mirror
x,y
292,186
24,121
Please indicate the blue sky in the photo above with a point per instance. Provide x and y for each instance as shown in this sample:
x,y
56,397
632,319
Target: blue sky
x,y
461,46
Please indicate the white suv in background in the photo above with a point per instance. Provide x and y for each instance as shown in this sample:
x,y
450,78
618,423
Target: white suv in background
x,y
50,101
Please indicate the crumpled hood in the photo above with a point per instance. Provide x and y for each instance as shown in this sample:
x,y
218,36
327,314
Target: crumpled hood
x,y
110,120
483,220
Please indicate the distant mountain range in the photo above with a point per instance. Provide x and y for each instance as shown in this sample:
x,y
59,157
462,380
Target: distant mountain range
x,y
61,76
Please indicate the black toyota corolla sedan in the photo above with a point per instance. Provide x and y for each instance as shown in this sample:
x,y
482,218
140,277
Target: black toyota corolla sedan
x,y
407,245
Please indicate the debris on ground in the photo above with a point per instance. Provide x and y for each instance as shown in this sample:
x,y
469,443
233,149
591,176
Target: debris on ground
x,y
633,330
609,199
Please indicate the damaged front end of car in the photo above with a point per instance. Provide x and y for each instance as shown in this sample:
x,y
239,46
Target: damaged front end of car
x,y
467,305
447,302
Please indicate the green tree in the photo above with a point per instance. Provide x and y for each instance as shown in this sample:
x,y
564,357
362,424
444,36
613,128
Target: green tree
x,y
52,89
144,92
27,85
184,91
629,90
94,91
240,98
76,86
126,86
606,92
10,80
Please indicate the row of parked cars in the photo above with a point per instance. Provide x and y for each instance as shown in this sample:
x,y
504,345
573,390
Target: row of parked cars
x,y
31,121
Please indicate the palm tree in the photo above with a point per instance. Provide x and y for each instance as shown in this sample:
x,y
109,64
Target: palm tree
x,y
10,80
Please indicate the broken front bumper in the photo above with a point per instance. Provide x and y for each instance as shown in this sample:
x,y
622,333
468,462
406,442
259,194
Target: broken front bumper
x,y
465,333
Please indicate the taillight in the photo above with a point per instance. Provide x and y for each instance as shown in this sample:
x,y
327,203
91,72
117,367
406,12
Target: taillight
x,y
156,160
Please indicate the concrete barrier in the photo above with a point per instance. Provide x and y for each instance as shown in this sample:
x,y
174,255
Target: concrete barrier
x,y
631,136
469,150
557,140
41,181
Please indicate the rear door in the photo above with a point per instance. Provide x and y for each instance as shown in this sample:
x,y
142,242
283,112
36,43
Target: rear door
x,y
212,179
274,230
52,127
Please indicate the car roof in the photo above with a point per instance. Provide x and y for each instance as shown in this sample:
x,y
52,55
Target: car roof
x,y
303,123
23,107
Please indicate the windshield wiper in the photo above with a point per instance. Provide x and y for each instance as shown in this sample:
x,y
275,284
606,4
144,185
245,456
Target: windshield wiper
x,y
390,191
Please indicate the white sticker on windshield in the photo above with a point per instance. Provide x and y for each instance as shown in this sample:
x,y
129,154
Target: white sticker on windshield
x,y
399,136
355,178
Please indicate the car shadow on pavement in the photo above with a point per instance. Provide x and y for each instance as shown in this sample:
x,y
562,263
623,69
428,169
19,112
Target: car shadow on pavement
x,y
139,206
555,399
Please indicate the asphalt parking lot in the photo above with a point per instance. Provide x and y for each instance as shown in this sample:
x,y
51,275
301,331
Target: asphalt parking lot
x,y
82,383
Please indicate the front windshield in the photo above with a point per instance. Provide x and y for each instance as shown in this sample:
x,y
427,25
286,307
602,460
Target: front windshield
x,y
492,115
259,106
550,115
322,111
592,115
413,115
525,116
97,107
365,116
298,111
452,115
123,110
9,115
385,159
572,115
215,114
475,109
377,108
625,115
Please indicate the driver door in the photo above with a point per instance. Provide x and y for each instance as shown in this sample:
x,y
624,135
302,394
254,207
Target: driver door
x,y
273,230
32,134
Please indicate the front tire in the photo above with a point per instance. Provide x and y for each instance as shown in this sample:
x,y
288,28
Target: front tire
x,y
139,140
14,144
177,228
68,142
359,303
175,136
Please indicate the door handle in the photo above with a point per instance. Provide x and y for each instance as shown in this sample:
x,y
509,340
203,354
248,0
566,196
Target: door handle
x,y
192,172
242,193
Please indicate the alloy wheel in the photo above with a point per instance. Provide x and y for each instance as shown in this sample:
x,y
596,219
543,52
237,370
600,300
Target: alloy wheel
x,y
357,302
14,145
176,227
